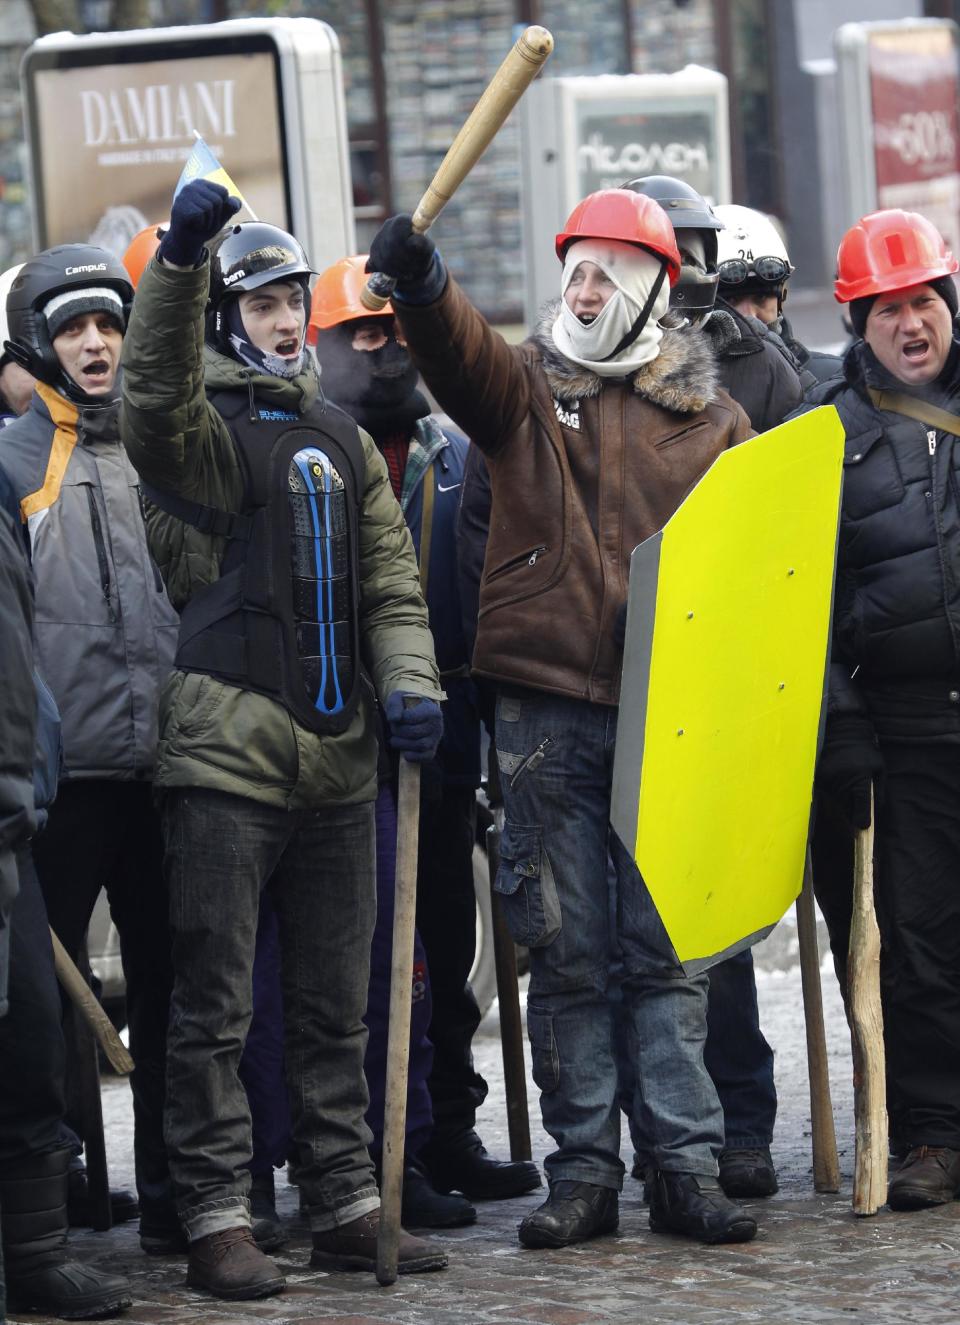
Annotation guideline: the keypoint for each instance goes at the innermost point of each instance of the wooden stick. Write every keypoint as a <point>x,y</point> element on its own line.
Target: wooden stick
<point>826,1165</point>
<point>81,995</point>
<point>398,1042</point>
<point>866,1023</point>
<point>506,87</point>
<point>511,1021</point>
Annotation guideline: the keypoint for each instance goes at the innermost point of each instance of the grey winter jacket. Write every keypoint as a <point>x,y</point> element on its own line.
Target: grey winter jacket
<point>104,632</point>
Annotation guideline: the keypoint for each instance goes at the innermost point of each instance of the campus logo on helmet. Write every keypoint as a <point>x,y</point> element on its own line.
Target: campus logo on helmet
<point>90,266</point>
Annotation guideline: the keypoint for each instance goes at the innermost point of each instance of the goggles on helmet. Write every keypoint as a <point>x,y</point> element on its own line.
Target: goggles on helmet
<point>773,271</point>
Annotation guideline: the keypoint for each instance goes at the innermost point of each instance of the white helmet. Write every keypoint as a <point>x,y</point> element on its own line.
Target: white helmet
<point>6,280</point>
<point>751,252</point>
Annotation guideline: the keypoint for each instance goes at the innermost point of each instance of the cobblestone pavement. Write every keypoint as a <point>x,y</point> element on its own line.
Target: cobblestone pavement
<point>812,1260</point>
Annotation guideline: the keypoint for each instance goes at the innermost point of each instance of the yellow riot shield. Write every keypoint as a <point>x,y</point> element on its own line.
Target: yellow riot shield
<point>728,627</point>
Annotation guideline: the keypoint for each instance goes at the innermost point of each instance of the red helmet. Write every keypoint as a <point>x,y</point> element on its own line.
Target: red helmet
<point>336,297</point>
<point>890,250</point>
<point>630,217</point>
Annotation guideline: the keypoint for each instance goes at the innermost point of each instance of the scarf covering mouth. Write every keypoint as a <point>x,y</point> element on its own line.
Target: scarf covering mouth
<point>634,272</point>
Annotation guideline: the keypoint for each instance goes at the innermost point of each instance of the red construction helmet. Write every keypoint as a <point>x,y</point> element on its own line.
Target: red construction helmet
<point>630,217</point>
<point>336,297</point>
<point>141,249</point>
<point>890,250</point>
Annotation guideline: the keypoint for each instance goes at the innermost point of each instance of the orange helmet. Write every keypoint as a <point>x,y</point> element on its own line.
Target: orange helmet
<point>141,249</point>
<point>336,297</point>
<point>630,217</point>
<point>890,250</point>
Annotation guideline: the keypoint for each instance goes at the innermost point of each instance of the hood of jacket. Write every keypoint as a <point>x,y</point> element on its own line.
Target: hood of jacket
<point>297,394</point>
<point>683,377</point>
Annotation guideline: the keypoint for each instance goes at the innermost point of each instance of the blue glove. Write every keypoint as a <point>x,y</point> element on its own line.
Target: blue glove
<point>414,731</point>
<point>200,211</point>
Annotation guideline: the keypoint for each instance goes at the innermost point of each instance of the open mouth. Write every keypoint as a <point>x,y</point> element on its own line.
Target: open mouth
<point>287,348</point>
<point>915,349</point>
<point>586,319</point>
<point>97,371</point>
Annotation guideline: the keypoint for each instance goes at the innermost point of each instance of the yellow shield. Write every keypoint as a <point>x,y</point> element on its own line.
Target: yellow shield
<point>724,670</point>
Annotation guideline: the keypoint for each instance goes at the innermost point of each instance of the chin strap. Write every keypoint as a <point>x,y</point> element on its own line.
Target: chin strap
<point>641,320</point>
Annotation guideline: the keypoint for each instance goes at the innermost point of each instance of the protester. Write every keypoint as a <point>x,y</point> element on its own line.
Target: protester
<point>281,542</point>
<point>105,635</point>
<point>367,370</point>
<point>575,425</point>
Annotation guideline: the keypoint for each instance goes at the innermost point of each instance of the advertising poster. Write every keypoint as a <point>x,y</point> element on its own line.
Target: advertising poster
<point>111,140</point>
<point>913,90</point>
<point>675,136</point>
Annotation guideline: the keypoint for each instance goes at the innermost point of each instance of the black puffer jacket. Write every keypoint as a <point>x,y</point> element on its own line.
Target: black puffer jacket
<point>896,637</point>
<point>811,364</point>
<point>752,369</point>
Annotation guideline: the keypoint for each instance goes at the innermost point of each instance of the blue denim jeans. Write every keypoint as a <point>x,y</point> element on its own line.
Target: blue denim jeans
<point>221,851</point>
<point>556,764</point>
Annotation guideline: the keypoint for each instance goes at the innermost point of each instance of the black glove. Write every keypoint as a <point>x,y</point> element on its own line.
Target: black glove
<point>398,252</point>
<point>849,763</point>
<point>200,211</point>
<point>619,631</point>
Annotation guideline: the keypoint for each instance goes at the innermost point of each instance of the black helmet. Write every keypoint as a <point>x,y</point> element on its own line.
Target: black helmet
<point>60,271</point>
<point>695,292</point>
<point>244,258</point>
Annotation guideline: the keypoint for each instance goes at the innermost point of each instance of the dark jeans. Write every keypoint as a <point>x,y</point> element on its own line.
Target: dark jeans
<point>917,889</point>
<point>737,1055</point>
<point>261,1067</point>
<point>106,834</point>
<point>447,924</point>
<point>221,852</point>
<point>31,1041</point>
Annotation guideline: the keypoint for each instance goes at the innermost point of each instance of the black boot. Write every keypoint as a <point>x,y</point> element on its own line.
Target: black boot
<point>41,1276</point>
<point>694,1205</point>
<point>458,1161</point>
<point>267,1230</point>
<point>425,1207</point>
<point>748,1173</point>
<point>123,1204</point>
<point>573,1212</point>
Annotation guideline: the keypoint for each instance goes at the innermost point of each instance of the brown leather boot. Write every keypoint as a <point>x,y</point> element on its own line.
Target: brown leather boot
<point>230,1265</point>
<point>930,1175</point>
<point>353,1246</point>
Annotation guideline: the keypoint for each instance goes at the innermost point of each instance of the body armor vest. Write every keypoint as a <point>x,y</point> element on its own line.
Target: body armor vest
<point>283,618</point>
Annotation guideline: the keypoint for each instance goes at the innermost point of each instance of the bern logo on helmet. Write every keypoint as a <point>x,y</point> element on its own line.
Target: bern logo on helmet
<point>92,266</point>
<point>234,276</point>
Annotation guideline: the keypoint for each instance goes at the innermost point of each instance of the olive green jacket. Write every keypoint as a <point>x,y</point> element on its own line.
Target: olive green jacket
<point>213,734</point>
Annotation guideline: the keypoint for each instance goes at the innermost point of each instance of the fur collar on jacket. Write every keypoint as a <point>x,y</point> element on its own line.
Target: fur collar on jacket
<point>683,377</point>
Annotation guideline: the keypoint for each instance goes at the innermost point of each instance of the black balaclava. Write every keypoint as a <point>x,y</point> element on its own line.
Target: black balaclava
<point>243,348</point>
<point>378,388</point>
<point>860,308</point>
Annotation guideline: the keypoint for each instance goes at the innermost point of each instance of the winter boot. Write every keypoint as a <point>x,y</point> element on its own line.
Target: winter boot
<point>425,1207</point>
<point>41,1276</point>
<point>123,1204</point>
<point>697,1207</point>
<point>458,1161</point>
<point>229,1264</point>
<point>353,1246</point>
<point>267,1230</point>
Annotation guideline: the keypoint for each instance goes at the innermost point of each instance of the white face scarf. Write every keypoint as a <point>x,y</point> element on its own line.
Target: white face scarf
<point>633,271</point>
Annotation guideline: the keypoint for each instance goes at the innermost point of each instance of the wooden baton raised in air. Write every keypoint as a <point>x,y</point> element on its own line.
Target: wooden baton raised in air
<point>502,93</point>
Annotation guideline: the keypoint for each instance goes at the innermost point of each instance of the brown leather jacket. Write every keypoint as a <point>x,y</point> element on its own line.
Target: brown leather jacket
<point>582,470</point>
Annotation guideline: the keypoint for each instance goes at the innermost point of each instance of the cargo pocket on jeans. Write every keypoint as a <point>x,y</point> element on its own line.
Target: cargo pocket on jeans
<point>544,1056</point>
<point>527,887</point>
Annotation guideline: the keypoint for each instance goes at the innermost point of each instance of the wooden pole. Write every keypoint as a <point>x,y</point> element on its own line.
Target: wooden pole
<point>81,995</point>
<point>398,1042</point>
<point>511,1021</point>
<point>866,1024</point>
<point>826,1165</point>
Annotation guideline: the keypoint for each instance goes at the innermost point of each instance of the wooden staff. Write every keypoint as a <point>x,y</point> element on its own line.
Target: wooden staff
<point>398,1042</point>
<point>81,995</point>
<point>511,1021</point>
<point>866,1025</point>
<point>501,94</point>
<point>826,1166</point>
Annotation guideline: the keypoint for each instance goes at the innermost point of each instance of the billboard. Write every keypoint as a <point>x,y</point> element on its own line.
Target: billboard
<point>898,97</point>
<point>111,119</point>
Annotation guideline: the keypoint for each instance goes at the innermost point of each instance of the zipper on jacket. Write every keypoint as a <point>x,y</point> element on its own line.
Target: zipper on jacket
<point>102,561</point>
<point>532,560</point>
<point>529,558</point>
<point>532,761</point>
<point>157,579</point>
<point>931,441</point>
